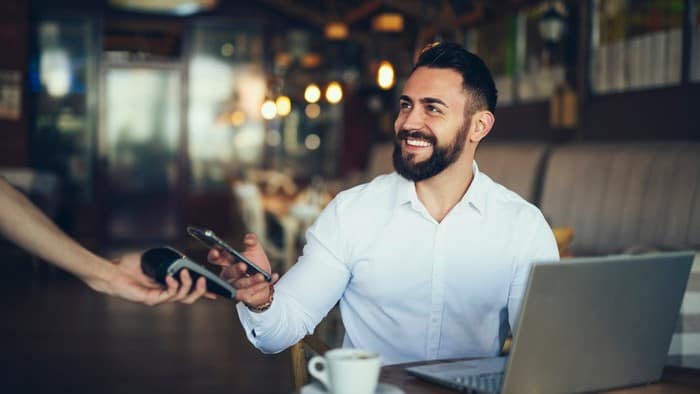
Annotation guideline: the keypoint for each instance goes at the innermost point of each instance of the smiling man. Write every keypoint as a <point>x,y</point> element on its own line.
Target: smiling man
<point>428,262</point>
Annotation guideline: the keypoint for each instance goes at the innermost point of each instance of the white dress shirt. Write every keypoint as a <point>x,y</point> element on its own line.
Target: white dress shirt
<point>410,288</point>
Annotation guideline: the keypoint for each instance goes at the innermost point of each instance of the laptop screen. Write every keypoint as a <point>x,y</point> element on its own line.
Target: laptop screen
<point>589,324</point>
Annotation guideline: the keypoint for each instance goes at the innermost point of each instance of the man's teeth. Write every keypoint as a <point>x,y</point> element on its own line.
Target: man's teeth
<point>417,142</point>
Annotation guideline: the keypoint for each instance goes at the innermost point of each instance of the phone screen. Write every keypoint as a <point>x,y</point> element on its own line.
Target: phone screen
<point>210,239</point>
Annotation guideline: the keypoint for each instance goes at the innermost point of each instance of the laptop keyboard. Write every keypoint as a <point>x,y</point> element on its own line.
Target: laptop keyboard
<point>487,382</point>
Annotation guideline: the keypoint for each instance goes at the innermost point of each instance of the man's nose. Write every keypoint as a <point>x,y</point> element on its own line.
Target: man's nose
<point>413,120</point>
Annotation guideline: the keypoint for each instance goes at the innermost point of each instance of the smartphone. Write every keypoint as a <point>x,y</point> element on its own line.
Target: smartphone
<point>210,239</point>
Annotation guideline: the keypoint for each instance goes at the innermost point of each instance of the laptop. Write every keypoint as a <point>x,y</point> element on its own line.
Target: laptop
<point>586,324</point>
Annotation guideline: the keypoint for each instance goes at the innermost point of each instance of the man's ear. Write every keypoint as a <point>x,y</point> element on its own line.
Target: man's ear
<point>482,123</point>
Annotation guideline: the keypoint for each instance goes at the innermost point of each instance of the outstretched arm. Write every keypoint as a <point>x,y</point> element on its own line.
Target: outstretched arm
<point>25,225</point>
<point>303,296</point>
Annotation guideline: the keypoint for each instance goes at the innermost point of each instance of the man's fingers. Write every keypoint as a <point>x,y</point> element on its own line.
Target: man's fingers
<point>219,257</point>
<point>248,281</point>
<point>254,295</point>
<point>234,272</point>
<point>239,270</point>
<point>228,273</point>
<point>250,239</point>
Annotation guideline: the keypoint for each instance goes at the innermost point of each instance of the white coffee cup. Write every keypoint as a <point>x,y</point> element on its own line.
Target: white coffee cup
<point>347,371</point>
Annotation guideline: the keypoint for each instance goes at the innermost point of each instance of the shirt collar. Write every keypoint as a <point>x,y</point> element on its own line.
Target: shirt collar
<point>475,195</point>
<point>405,190</point>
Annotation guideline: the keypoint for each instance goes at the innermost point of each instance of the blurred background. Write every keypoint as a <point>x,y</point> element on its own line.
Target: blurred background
<point>127,120</point>
<point>143,114</point>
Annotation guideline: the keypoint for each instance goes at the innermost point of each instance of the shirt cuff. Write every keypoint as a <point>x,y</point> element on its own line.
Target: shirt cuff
<point>257,324</point>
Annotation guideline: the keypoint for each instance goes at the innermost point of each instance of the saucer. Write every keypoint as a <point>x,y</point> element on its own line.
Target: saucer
<point>382,388</point>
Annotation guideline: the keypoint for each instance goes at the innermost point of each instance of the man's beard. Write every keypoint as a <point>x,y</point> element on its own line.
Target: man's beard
<point>441,158</point>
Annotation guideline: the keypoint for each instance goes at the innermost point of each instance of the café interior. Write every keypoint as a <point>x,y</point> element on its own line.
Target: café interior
<point>125,121</point>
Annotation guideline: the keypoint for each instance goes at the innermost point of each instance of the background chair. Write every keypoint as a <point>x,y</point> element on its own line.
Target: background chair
<point>299,358</point>
<point>281,249</point>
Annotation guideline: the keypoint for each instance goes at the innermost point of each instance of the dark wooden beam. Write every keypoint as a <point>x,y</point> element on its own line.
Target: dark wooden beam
<point>413,8</point>
<point>362,11</point>
<point>472,17</point>
<point>309,15</point>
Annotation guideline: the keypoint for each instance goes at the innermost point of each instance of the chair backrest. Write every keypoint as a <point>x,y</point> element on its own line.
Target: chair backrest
<point>624,196</point>
<point>517,166</point>
<point>299,359</point>
<point>251,207</point>
<point>380,160</point>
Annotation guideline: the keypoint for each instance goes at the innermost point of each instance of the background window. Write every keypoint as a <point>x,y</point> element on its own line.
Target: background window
<point>62,78</point>
<point>494,42</point>
<point>541,63</point>
<point>635,44</point>
<point>227,86</point>
<point>695,66</point>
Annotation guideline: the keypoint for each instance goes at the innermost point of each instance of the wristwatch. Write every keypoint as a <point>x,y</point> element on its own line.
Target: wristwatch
<point>265,306</point>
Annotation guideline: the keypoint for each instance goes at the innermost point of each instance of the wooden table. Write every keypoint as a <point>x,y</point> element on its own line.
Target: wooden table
<point>675,380</point>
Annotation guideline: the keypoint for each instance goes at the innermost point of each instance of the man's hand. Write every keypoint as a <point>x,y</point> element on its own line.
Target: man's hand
<point>127,281</point>
<point>252,290</point>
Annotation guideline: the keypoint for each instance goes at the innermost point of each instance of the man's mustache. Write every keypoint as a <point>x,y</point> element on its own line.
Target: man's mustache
<point>403,134</point>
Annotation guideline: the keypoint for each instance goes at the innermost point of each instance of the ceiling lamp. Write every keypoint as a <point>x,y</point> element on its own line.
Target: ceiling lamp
<point>284,105</point>
<point>175,7</point>
<point>334,92</point>
<point>283,59</point>
<point>336,31</point>
<point>312,93</point>
<point>388,22</point>
<point>227,49</point>
<point>268,110</point>
<point>552,24</point>
<point>55,71</point>
<point>312,111</point>
<point>311,60</point>
<point>312,141</point>
<point>385,75</point>
<point>237,117</point>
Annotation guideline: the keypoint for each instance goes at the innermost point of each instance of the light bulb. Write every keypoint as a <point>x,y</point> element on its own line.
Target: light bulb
<point>312,93</point>
<point>334,92</point>
<point>385,75</point>
<point>268,110</point>
<point>284,105</point>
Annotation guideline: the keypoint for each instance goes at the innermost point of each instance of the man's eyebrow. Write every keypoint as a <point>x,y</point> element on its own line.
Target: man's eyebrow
<point>425,100</point>
<point>432,100</point>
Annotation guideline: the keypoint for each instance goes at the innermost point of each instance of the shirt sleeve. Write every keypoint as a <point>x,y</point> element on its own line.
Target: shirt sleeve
<point>306,293</point>
<point>539,247</point>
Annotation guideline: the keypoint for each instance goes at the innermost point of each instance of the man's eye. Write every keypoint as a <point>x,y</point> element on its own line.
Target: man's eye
<point>432,108</point>
<point>404,105</point>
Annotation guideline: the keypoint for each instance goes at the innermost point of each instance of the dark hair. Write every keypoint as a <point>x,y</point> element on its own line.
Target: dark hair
<point>476,77</point>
